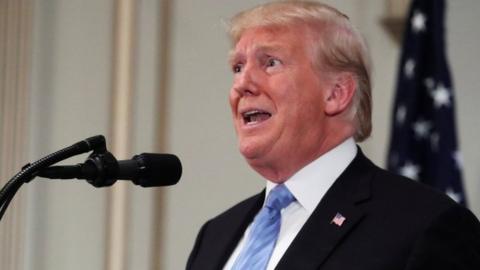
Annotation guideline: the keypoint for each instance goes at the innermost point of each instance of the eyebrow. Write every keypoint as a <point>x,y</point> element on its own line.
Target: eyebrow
<point>233,56</point>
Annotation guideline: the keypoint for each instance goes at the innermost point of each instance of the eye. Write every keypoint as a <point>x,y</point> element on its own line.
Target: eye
<point>273,62</point>
<point>237,68</point>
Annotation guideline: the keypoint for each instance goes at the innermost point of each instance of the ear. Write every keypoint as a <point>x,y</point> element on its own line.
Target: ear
<point>340,95</point>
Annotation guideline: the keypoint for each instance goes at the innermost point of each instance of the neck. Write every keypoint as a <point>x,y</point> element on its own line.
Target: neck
<point>281,169</point>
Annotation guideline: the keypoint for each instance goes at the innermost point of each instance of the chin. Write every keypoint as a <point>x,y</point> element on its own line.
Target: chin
<point>249,150</point>
<point>252,148</point>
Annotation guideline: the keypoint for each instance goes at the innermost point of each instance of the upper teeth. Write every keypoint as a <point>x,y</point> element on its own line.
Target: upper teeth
<point>255,116</point>
<point>250,113</point>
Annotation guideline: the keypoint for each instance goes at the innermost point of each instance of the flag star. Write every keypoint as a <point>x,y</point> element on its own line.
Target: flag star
<point>410,170</point>
<point>456,196</point>
<point>457,156</point>
<point>401,114</point>
<point>418,21</point>
<point>429,83</point>
<point>441,96</point>
<point>422,129</point>
<point>434,141</point>
<point>409,68</point>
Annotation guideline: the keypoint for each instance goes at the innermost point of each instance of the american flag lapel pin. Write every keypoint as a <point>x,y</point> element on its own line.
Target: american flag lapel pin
<point>338,219</point>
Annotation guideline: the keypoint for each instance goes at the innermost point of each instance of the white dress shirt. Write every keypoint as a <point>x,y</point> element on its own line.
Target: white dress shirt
<point>308,186</point>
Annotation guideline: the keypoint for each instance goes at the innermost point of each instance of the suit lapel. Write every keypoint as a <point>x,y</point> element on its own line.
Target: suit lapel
<point>320,236</point>
<point>229,232</point>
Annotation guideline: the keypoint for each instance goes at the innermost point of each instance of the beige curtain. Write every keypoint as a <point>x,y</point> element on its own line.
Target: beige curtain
<point>15,36</point>
<point>120,129</point>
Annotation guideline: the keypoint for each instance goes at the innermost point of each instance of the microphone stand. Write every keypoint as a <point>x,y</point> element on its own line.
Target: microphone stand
<point>30,170</point>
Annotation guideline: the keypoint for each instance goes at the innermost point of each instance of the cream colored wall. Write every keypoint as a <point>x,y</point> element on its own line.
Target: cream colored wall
<point>463,44</point>
<point>70,101</point>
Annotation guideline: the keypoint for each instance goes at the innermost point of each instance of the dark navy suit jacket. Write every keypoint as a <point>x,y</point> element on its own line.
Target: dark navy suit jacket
<point>391,223</point>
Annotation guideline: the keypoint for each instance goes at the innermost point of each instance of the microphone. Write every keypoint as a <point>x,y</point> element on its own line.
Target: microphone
<point>103,169</point>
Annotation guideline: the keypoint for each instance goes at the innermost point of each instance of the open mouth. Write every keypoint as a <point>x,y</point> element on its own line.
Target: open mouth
<point>255,116</point>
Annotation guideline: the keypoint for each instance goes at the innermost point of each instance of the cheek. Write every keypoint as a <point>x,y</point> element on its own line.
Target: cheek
<point>304,104</point>
<point>290,87</point>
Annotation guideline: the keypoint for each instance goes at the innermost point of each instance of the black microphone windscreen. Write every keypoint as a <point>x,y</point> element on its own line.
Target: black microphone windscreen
<point>160,170</point>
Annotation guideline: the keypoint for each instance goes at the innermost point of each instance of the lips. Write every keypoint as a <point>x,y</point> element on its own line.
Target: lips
<point>255,116</point>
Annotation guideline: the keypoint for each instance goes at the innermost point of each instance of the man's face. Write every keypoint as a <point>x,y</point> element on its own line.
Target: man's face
<point>277,98</point>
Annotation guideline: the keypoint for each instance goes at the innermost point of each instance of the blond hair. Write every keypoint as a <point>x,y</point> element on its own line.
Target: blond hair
<point>337,46</point>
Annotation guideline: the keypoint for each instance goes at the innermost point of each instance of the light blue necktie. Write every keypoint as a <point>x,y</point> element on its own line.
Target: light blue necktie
<point>263,235</point>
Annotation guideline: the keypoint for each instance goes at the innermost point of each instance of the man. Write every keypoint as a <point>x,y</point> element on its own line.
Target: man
<point>300,99</point>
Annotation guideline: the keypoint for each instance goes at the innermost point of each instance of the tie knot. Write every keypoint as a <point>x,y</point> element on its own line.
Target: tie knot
<point>279,198</point>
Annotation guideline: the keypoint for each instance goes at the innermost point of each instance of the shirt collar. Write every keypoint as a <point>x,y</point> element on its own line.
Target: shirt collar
<point>310,183</point>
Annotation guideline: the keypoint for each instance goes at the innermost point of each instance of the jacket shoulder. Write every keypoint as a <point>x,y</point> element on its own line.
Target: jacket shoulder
<point>397,188</point>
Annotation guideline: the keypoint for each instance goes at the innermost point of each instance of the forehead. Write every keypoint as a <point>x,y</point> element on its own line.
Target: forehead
<point>270,39</point>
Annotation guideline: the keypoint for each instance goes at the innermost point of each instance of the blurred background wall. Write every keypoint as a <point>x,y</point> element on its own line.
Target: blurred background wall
<point>178,103</point>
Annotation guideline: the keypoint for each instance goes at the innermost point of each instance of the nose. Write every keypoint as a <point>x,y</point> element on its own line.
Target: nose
<point>247,81</point>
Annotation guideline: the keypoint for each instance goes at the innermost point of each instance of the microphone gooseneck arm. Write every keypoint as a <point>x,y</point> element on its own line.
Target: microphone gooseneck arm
<point>29,171</point>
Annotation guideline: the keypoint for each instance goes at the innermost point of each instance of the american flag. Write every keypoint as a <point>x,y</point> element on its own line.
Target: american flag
<point>338,220</point>
<point>423,143</point>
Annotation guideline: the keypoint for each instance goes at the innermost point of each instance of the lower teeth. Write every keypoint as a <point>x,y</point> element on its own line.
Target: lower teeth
<point>259,117</point>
